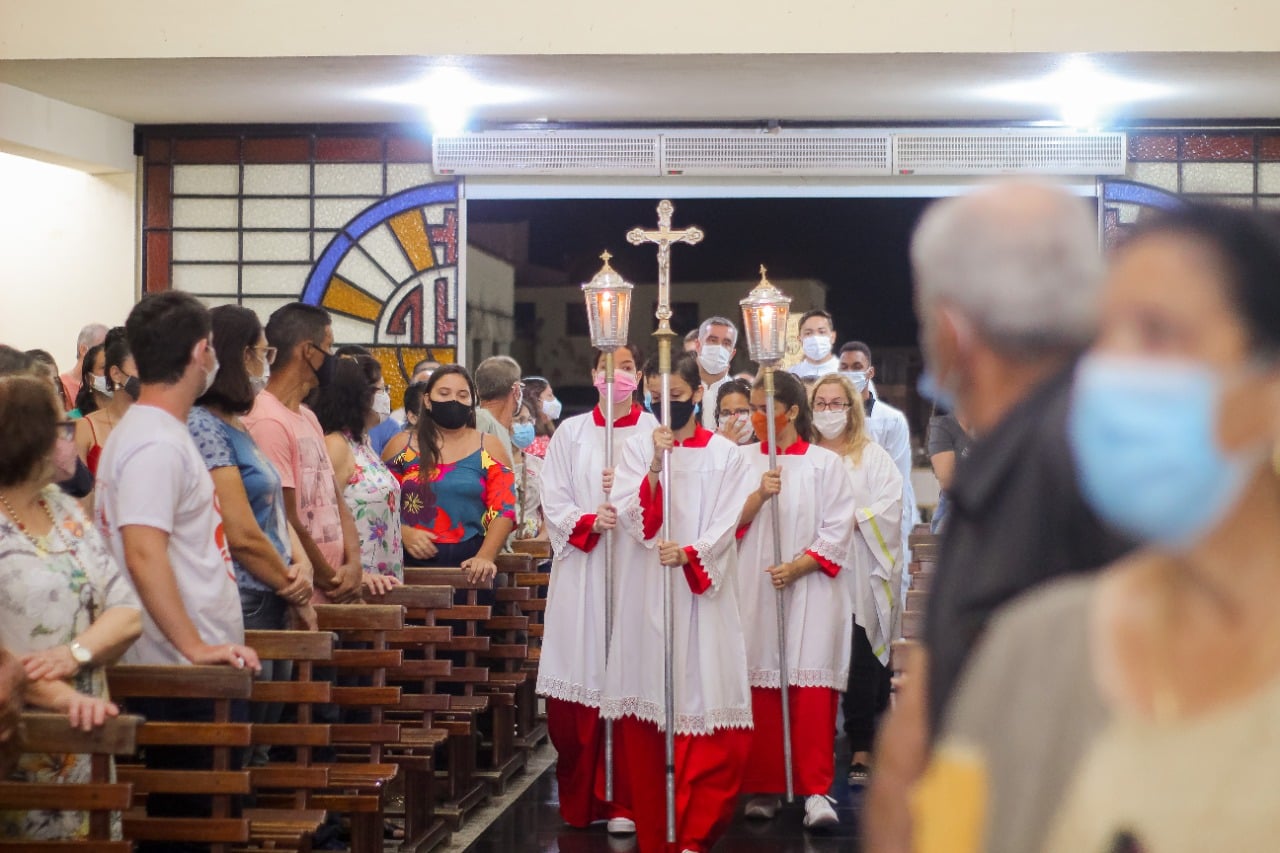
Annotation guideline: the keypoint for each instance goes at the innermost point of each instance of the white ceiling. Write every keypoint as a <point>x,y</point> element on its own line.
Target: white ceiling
<point>881,88</point>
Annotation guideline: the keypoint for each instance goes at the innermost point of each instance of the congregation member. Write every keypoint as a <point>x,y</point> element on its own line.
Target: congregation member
<point>408,433</point>
<point>949,443</point>
<point>1007,283</point>
<point>691,341</point>
<point>875,561</point>
<point>717,345</point>
<point>816,516</point>
<point>497,381</point>
<point>156,507</point>
<point>708,478</point>
<point>576,503</point>
<point>11,681</point>
<point>121,387</point>
<point>887,426</point>
<point>524,435</point>
<point>1165,661</point>
<point>65,607</point>
<point>549,411</point>
<point>817,339</point>
<point>290,437</point>
<point>94,392</point>
<point>392,422</point>
<point>89,336</point>
<point>457,491</point>
<point>345,411</point>
<point>44,364</point>
<point>733,411</point>
<point>74,478</point>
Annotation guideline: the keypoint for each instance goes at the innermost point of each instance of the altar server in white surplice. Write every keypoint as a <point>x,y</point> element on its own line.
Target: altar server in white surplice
<point>875,557</point>
<point>817,506</point>
<point>571,671</point>
<point>709,481</point>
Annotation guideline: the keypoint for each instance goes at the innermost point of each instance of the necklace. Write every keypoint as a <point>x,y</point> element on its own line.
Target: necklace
<point>22,528</point>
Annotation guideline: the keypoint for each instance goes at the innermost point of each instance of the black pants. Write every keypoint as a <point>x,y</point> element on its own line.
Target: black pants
<point>867,696</point>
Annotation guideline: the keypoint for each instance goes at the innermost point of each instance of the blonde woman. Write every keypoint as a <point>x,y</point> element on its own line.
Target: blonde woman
<point>875,556</point>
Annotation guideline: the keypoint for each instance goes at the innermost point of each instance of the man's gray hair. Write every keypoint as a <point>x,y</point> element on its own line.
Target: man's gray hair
<point>91,335</point>
<point>1018,260</point>
<point>495,377</point>
<point>719,321</point>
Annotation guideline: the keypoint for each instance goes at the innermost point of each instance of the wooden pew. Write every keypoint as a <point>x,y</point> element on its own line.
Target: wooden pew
<point>531,726</point>
<point>221,685</point>
<point>52,733</point>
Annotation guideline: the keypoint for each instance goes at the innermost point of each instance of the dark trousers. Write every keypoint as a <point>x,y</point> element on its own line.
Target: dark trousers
<point>263,610</point>
<point>185,758</point>
<point>867,696</point>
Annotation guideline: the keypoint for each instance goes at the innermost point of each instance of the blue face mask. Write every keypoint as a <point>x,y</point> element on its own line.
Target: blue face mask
<point>1144,437</point>
<point>928,388</point>
<point>522,435</point>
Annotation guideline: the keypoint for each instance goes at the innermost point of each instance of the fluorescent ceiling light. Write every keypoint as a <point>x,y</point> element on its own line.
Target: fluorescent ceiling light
<point>449,96</point>
<point>1083,95</point>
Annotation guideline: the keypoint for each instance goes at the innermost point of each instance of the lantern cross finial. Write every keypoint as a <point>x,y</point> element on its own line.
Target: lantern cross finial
<point>606,257</point>
<point>665,237</point>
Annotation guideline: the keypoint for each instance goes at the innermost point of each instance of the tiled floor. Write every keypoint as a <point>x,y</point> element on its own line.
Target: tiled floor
<point>532,825</point>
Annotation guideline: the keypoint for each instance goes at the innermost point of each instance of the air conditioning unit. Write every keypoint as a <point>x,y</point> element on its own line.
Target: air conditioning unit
<point>1008,152</point>
<point>546,153</point>
<point>793,152</point>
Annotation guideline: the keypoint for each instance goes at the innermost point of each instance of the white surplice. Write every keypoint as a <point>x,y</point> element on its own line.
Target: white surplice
<point>573,658</point>
<point>875,554</point>
<point>709,484</point>
<point>816,506</point>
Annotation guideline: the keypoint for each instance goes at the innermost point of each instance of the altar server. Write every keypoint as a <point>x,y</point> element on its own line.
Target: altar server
<point>708,480</point>
<point>577,513</point>
<point>816,507</point>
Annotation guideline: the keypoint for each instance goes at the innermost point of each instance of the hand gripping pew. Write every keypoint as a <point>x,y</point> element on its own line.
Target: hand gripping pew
<point>99,796</point>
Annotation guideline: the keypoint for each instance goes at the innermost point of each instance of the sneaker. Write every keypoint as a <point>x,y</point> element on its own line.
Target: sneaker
<point>762,808</point>
<point>621,826</point>
<point>818,812</point>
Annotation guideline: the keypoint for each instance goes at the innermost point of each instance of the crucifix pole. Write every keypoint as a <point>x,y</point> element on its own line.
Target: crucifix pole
<point>664,237</point>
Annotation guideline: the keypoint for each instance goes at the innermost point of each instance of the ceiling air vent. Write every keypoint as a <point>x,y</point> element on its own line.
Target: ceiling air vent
<point>783,153</point>
<point>990,152</point>
<point>551,153</point>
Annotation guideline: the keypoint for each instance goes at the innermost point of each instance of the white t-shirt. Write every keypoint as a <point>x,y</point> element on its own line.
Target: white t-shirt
<point>807,369</point>
<point>151,474</point>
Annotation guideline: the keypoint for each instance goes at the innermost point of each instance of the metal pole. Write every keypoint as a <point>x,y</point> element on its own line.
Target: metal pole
<point>608,568</point>
<point>783,680</point>
<point>668,612</point>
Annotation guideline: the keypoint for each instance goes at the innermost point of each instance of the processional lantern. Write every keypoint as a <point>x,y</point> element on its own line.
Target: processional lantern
<point>608,297</point>
<point>764,319</point>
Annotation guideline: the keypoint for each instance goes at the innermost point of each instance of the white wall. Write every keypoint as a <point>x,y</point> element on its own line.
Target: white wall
<point>491,285</point>
<point>68,242</point>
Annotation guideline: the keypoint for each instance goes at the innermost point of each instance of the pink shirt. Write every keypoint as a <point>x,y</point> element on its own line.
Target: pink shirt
<point>294,444</point>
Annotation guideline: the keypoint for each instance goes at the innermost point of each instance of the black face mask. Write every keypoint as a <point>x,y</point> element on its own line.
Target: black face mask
<point>324,373</point>
<point>133,387</point>
<point>681,412</point>
<point>449,414</point>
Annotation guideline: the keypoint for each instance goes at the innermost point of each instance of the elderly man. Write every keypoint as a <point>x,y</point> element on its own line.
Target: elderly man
<point>1007,283</point>
<point>90,336</point>
<point>501,392</point>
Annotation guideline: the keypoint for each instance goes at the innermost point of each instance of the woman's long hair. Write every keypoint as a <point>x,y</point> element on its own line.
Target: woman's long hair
<point>854,438</point>
<point>428,432</point>
<point>789,391</point>
<point>85,401</point>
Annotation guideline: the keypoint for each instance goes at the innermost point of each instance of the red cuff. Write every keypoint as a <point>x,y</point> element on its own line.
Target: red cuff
<point>742,530</point>
<point>651,507</point>
<point>829,568</point>
<point>582,536</point>
<point>699,580</point>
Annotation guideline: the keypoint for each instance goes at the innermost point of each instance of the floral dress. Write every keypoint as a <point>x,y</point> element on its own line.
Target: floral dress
<point>48,596</point>
<point>373,496</point>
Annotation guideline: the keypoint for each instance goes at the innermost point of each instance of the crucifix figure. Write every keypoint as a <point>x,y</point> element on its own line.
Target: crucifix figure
<point>664,237</point>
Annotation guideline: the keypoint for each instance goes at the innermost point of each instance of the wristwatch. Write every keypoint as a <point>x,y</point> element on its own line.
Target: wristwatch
<point>82,656</point>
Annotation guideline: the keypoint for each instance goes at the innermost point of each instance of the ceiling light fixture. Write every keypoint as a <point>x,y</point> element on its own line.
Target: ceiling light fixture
<point>450,96</point>
<point>1084,96</point>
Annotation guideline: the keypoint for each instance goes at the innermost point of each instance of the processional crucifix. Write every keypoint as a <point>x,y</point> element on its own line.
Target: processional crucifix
<point>665,237</point>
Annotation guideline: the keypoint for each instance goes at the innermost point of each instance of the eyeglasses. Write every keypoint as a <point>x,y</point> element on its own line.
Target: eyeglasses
<point>67,430</point>
<point>735,413</point>
<point>268,353</point>
<point>823,406</point>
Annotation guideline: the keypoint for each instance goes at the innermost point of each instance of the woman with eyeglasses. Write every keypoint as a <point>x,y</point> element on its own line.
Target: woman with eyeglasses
<point>549,411</point>
<point>66,608</point>
<point>121,387</point>
<point>875,560</point>
<point>529,523</point>
<point>816,517</point>
<point>733,412</point>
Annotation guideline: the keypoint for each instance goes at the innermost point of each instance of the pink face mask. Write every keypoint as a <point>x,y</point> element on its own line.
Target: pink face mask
<point>624,385</point>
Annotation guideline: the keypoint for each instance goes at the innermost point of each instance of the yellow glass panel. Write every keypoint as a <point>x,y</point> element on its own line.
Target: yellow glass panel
<point>411,230</point>
<point>345,297</point>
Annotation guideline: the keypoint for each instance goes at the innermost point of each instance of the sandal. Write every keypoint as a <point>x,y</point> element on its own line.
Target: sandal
<point>859,775</point>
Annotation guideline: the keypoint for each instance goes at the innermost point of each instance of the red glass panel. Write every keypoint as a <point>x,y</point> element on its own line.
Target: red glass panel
<point>1153,146</point>
<point>159,202</point>
<point>158,261</point>
<point>348,149</point>
<point>1217,146</point>
<point>1269,147</point>
<point>158,150</point>
<point>295,149</point>
<point>407,149</point>
<point>224,150</point>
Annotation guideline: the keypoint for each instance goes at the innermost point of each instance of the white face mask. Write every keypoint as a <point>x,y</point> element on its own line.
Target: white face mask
<point>857,377</point>
<point>382,403</point>
<point>211,375</point>
<point>102,385</point>
<point>830,424</point>
<point>816,347</point>
<point>714,359</point>
<point>551,408</point>
<point>744,422</point>
<point>259,383</point>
